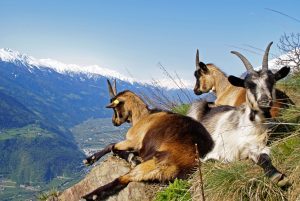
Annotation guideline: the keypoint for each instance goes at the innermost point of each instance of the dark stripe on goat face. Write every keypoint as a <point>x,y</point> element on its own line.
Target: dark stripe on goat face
<point>197,75</point>
<point>197,90</point>
<point>270,83</point>
<point>251,85</point>
<point>252,115</point>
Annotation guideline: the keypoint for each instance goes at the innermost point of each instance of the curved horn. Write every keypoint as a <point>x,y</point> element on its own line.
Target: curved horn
<point>115,87</point>
<point>266,57</point>
<point>197,60</point>
<point>110,90</point>
<point>247,64</point>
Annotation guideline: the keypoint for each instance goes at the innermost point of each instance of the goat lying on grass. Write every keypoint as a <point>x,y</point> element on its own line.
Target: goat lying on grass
<point>165,142</point>
<point>241,132</point>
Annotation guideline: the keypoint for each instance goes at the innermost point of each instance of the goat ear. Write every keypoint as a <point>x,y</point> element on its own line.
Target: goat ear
<point>113,104</point>
<point>283,72</point>
<point>236,81</point>
<point>203,67</point>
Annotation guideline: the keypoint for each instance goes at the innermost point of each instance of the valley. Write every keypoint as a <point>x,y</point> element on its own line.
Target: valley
<point>95,134</point>
<point>90,136</point>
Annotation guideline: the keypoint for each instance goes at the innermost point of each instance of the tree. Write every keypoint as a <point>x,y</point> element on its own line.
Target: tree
<point>289,46</point>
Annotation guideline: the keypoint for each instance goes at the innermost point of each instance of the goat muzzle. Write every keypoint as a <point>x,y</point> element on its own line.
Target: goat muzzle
<point>197,92</point>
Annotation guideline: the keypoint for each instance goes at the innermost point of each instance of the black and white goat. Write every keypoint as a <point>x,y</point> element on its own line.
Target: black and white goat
<point>242,132</point>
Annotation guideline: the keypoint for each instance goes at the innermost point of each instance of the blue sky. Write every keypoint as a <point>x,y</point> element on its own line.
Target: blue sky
<point>136,35</point>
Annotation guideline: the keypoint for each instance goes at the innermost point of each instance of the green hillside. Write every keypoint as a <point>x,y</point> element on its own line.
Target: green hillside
<point>31,154</point>
<point>13,114</point>
<point>34,153</point>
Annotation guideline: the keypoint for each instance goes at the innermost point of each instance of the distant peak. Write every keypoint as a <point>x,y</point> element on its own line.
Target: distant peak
<point>8,49</point>
<point>9,55</point>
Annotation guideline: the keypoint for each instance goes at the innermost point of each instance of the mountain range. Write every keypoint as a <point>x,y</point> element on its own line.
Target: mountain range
<point>41,99</point>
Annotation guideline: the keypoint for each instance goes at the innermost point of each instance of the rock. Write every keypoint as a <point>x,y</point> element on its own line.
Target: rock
<point>104,173</point>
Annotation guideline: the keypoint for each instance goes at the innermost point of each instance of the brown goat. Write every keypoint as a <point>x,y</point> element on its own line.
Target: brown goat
<point>165,142</point>
<point>210,77</point>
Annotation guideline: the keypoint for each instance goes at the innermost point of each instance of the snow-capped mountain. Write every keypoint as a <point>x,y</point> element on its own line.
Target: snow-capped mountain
<point>9,55</point>
<point>16,57</point>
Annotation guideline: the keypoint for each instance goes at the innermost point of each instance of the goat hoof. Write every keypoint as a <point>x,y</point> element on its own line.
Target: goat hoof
<point>89,197</point>
<point>89,161</point>
<point>284,181</point>
<point>280,179</point>
<point>86,162</point>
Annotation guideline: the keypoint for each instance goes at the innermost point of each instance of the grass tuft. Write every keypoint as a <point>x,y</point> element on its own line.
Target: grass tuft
<point>181,109</point>
<point>50,195</point>
<point>178,190</point>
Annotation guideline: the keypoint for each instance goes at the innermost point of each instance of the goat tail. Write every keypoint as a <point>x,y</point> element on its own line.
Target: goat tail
<point>204,142</point>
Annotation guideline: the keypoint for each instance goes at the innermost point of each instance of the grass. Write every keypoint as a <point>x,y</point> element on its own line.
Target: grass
<point>178,190</point>
<point>53,193</point>
<point>181,109</point>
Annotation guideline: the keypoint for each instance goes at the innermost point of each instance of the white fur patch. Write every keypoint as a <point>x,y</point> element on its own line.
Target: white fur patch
<point>247,139</point>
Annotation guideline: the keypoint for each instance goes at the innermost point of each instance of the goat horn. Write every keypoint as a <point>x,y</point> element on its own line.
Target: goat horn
<point>266,57</point>
<point>115,87</point>
<point>110,90</point>
<point>247,64</point>
<point>197,60</point>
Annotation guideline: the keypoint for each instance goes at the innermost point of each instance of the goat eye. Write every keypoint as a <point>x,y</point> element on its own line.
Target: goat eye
<point>197,74</point>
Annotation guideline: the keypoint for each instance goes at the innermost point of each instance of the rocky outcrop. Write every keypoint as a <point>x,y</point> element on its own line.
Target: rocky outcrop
<point>104,173</point>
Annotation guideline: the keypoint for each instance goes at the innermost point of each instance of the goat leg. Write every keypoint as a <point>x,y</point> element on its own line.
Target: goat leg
<point>96,156</point>
<point>276,176</point>
<point>105,191</point>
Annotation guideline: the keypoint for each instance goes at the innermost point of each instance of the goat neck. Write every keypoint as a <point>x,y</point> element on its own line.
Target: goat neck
<point>221,82</point>
<point>138,109</point>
